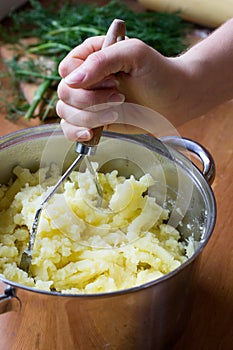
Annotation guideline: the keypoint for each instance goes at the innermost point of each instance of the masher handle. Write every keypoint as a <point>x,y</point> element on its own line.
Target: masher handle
<point>116,32</point>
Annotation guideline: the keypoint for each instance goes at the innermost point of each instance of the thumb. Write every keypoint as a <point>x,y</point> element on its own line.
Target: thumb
<point>100,65</point>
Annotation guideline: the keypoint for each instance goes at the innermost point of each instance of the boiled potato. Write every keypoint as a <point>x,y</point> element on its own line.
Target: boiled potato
<point>80,248</point>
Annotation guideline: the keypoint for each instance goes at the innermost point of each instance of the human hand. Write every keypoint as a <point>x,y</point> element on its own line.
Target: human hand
<point>95,81</point>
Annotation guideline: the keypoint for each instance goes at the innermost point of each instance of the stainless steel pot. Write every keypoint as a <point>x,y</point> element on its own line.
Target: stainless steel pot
<point>150,316</point>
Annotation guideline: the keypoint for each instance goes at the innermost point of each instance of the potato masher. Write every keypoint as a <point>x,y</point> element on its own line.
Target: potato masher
<point>115,33</point>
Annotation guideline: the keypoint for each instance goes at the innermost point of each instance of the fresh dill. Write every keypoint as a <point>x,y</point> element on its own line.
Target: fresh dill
<point>58,30</point>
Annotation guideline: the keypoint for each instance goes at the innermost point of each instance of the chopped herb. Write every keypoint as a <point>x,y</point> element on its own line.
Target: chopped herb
<point>58,30</point>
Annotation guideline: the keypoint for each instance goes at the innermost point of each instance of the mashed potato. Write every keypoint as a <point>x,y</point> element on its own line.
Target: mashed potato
<point>79,247</point>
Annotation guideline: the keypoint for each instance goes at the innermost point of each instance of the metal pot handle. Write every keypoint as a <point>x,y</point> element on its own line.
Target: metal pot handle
<point>9,301</point>
<point>203,154</point>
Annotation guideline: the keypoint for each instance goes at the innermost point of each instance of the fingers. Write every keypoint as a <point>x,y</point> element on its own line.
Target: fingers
<point>79,54</point>
<point>75,133</point>
<point>105,91</point>
<point>82,110</point>
<point>96,116</point>
<point>89,92</point>
<point>99,65</point>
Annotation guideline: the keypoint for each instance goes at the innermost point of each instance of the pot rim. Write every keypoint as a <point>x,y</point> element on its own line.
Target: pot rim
<point>46,130</point>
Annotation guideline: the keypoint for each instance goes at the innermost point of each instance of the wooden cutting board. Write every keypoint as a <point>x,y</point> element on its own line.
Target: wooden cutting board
<point>209,13</point>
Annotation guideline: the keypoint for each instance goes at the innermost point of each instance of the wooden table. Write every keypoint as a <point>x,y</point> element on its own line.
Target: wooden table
<point>211,320</point>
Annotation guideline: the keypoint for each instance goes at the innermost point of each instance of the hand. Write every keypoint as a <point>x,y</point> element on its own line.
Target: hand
<point>95,81</point>
<point>128,71</point>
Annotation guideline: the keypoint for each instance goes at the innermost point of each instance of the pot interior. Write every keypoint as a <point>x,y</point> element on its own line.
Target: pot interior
<point>179,185</point>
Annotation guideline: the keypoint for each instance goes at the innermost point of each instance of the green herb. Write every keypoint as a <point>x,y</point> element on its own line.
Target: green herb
<point>37,97</point>
<point>60,29</point>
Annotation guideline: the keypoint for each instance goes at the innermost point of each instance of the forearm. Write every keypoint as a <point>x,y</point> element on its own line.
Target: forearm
<point>179,88</point>
<point>207,74</point>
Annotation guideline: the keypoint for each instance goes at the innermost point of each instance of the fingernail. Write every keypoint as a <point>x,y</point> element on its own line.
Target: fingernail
<point>83,135</point>
<point>77,76</point>
<point>116,98</point>
<point>110,83</point>
<point>109,117</point>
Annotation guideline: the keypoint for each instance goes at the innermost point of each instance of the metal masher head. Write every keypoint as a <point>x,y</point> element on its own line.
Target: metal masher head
<point>115,33</point>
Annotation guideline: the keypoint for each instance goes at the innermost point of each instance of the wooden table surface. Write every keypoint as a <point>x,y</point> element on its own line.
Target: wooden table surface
<point>211,320</point>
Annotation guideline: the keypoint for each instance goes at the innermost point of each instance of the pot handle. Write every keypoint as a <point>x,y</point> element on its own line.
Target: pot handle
<point>203,154</point>
<point>9,301</point>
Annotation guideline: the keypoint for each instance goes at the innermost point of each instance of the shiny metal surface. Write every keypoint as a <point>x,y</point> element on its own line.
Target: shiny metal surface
<point>151,316</point>
<point>9,301</point>
<point>115,31</point>
<point>207,160</point>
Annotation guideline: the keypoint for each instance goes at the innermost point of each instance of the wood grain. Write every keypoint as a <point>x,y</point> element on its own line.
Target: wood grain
<point>211,320</point>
